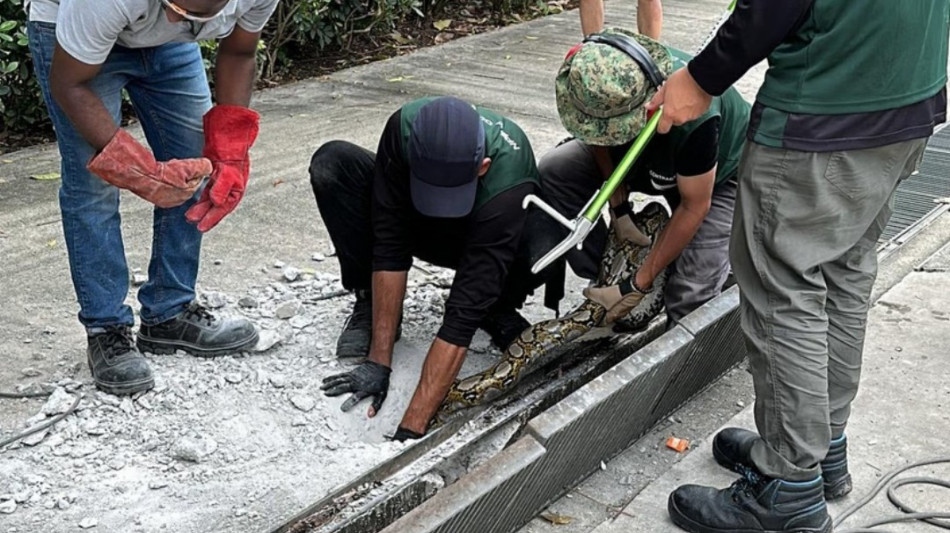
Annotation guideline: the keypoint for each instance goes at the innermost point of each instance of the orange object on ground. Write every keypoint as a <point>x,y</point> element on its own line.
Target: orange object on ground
<point>680,445</point>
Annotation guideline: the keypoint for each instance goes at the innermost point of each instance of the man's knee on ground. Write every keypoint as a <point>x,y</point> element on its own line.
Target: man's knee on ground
<point>326,163</point>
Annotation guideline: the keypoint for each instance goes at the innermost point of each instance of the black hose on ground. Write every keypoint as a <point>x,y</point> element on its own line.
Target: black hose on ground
<point>936,518</point>
<point>45,425</point>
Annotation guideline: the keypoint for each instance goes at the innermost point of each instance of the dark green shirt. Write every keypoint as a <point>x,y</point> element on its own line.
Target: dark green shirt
<point>843,74</point>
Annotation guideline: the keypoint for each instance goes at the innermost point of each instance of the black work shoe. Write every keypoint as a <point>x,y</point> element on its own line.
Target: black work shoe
<point>198,332</point>
<point>731,448</point>
<point>753,504</point>
<point>357,331</point>
<point>117,367</point>
<point>504,327</point>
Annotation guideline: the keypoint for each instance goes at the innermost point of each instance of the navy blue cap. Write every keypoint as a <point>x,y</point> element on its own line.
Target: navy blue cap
<point>446,149</point>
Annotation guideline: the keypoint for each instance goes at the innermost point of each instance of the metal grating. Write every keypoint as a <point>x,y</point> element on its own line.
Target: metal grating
<point>915,197</point>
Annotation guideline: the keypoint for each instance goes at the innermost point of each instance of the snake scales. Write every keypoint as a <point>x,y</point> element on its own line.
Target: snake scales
<point>534,348</point>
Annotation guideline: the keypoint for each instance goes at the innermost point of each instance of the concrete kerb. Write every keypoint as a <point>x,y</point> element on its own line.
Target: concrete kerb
<point>587,427</point>
<point>480,500</point>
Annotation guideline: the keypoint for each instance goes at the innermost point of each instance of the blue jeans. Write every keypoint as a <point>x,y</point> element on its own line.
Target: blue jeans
<point>169,90</point>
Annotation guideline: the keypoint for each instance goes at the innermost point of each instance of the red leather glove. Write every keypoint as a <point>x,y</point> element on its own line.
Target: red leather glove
<point>229,133</point>
<point>125,163</point>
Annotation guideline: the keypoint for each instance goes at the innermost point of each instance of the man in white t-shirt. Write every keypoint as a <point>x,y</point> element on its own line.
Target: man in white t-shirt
<point>86,52</point>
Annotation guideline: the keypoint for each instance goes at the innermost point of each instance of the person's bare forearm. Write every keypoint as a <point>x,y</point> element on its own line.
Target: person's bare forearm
<point>442,365</point>
<point>592,16</point>
<point>650,18</point>
<point>234,79</point>
<point>674,238</point>
<point>389,289</point>
<point>236,68</point>
<point>84,108</point>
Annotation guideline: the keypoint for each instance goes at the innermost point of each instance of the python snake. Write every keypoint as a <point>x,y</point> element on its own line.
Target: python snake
<point>536,345</point>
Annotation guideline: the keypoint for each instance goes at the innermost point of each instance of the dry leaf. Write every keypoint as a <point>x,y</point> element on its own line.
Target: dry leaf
<point>531,37</point>
<point>557,519</point>
<point>278,182</point>
<point>441,25</point>
<point>7,160</point>
<point>398,79</point>
<point>51,243</point>
<point>45,177</point>
<point>443,37</point>
<point>399,38</point>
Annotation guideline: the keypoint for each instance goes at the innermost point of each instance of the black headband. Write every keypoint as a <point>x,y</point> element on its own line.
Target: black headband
<point>635,50</point>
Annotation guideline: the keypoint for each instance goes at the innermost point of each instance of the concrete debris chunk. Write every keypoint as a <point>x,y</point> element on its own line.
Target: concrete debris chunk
<point>59,402</point>
<point>126,405</point>
<point>248,302</point>
<point>7,507</point>
<point>215,299</point>
<point>233,378</point>
<point>318,257</point>
<point>300,321</point>
<point>88,523</point>
<point>288,309</point>
<point>303,402</point>
<point>291,273</point>
<point>30,372</point>
<point>139,279</point>
<point>279,264</point>
<point>277,380</point>
<point>268,339</point>
<point>193,449</point>
<point>157,484</point>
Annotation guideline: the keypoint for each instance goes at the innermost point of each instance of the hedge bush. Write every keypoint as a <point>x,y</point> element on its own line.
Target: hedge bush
<point>299,28</point>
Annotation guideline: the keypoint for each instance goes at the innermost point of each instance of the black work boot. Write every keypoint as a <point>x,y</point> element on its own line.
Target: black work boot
<point>732,446</point>
<point>754,503</point>
<point>504,327</point>
<point>198,332</point>
<point>357,331</point>
<point>834,470</point>
<point>116,366</point>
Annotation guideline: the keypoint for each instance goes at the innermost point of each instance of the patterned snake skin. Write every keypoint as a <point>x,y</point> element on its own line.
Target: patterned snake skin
<point>534,348</point>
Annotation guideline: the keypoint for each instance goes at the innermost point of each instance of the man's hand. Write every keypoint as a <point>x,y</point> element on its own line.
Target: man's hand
<point>619,300</point>
<point>624,228</point>
<point>682,100</point>
<point>125,163</point>
<point>367,380</point>
<point>229,133</point>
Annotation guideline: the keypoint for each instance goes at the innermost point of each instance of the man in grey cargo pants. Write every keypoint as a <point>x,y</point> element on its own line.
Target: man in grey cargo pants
<point>826,150</point>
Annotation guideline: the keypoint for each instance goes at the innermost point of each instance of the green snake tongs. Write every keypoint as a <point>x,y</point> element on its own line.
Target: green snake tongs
<point>582,225</point>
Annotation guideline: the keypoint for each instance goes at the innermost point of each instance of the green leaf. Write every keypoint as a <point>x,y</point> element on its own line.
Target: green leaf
<point>45,177</point>
<point>8,25</point>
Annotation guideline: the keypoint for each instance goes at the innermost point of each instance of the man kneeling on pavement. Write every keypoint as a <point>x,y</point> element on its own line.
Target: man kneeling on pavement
<point>601,90</point>
<point>446,186</point>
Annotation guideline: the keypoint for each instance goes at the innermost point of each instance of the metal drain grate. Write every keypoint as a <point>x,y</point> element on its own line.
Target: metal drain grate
<point>914,198</point>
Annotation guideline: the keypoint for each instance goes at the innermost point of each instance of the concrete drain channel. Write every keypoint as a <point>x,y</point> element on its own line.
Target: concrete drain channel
<point>493,468</point>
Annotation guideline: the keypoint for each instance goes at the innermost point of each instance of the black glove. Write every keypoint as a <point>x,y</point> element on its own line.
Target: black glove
<point>368,379</point>
<point>402,435</point>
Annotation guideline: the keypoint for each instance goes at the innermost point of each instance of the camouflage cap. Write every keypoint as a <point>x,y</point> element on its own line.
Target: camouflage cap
<point>601,90</point>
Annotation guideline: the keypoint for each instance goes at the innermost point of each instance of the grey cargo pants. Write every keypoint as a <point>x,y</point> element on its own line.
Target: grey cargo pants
<point>804,256</point>
<point>569,177</point>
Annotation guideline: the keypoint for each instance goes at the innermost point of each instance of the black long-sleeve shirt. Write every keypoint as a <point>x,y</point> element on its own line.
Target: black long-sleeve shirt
<point>480,246</point>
